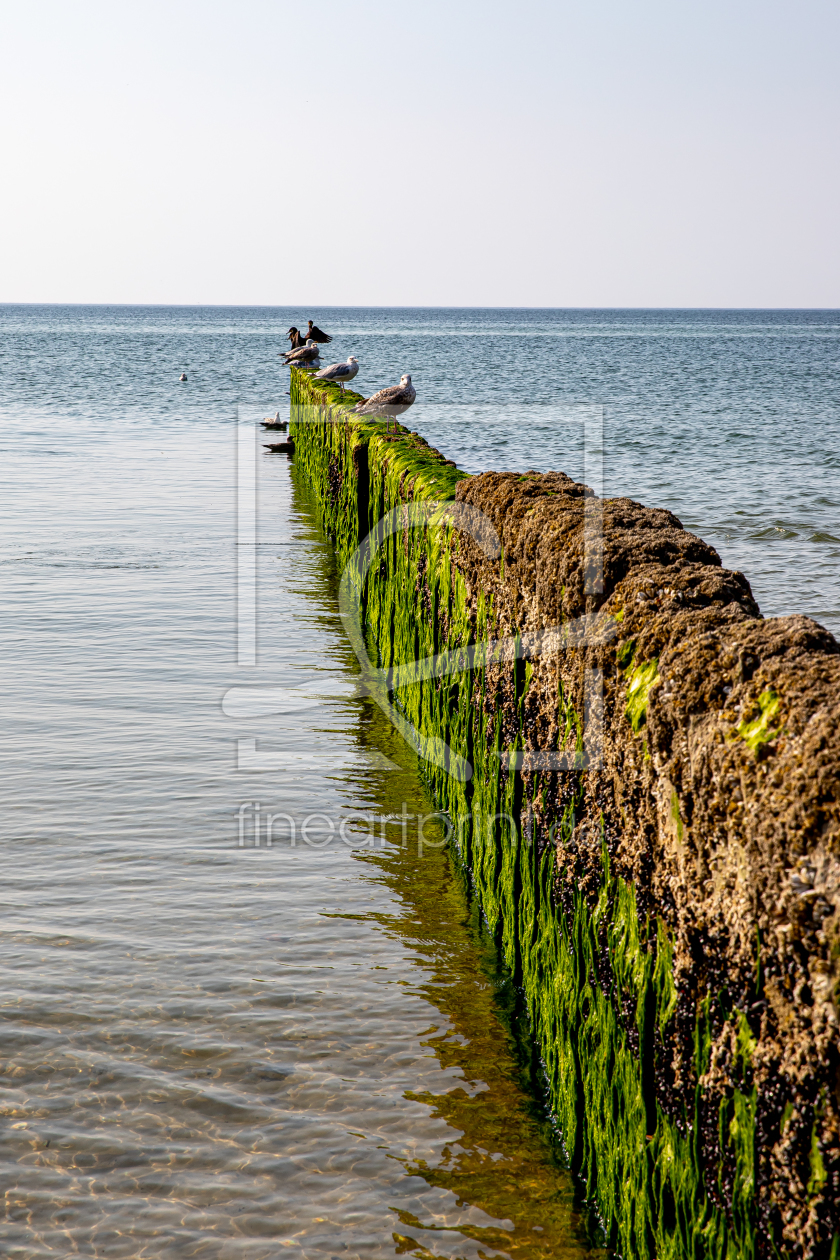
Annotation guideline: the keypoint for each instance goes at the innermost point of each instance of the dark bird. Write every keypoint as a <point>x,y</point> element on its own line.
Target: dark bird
<point>296,339</point>
<point>392,401</point>
<point>317,335</point>
<point>288,447</point>
<point>182,377</point>
<point>274,422</point>
<point>340,372</point>
<point>307,355</point>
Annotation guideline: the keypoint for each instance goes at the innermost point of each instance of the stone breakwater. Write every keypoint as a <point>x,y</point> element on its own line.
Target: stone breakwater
<point>645,784</point>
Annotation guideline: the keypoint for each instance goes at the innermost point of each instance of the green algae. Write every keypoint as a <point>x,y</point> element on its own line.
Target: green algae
<point>625,653</point>
<point>597,977</point>
<point>786,1115</point>
<point>640,683</point>
<point>675,814</point>
<point>507,1169</point>
<point>819,1176</point>
<point>758,731</point>
<point>745,1043</point>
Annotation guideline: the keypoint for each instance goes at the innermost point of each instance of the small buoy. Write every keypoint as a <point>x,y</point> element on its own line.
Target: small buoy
<point>182,377</point>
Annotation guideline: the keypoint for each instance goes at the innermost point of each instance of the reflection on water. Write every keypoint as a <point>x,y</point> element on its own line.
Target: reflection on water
<point>501,1157</point>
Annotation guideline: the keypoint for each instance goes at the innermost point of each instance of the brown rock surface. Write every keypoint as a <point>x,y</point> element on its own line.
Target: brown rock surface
<point>723,807</point>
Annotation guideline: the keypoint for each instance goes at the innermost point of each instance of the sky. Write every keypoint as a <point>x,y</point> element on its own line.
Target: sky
<point>586,154</point>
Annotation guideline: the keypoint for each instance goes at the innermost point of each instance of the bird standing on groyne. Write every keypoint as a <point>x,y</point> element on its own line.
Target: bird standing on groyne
<point>295,337</point>
<point>315,334</point>
<point>306,356</point>
<point>340,372</point>
<point>392,401</point>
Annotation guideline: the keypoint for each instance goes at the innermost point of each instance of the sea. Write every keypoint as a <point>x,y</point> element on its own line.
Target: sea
<point>249,1007</point>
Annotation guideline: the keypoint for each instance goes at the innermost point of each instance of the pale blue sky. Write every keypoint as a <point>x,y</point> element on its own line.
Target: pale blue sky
<point>371,153</point>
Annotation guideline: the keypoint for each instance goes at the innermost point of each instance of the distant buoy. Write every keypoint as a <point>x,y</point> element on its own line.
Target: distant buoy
<point>182,377</point>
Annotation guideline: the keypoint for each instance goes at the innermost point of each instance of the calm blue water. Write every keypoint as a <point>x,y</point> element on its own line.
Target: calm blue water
<point>729,418</point>
<point>215,1050</point>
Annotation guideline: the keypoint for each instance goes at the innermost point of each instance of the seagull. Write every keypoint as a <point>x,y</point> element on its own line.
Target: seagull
<point>306,355</point>
<point>392,401</point>
<point>294,336</point>
<point>316,334</point>
<point>288,446</point>
<point>274,422</point>
<point>340,372</point>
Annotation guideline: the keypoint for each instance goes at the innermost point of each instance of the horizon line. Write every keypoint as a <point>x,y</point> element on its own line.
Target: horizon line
<point>384,307</point>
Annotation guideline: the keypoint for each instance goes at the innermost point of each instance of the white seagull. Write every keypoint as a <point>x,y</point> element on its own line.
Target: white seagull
<point>340,372</point>
<point>392,401</point>
<point>273,422</point>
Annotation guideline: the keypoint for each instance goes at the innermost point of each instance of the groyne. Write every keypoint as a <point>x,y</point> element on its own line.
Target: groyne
<point>642,775</point>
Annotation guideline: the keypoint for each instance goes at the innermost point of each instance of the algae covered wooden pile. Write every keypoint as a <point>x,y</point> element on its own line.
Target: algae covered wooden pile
<point>643,776</point>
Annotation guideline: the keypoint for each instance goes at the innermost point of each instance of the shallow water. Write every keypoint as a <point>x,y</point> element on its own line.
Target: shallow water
<point>215,1050</point>
<point>210,1050</point>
